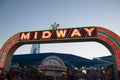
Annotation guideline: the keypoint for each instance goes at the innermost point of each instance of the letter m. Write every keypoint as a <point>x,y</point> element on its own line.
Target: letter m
<point>25,36</point>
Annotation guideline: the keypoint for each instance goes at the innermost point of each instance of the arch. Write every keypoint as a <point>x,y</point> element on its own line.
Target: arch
<point>92,33</point>
<point>54,58</point>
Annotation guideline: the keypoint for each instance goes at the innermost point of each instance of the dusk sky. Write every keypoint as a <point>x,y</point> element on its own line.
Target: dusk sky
<point>33,15</point>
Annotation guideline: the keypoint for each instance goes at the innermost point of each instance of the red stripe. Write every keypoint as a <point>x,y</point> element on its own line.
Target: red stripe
<point>109,32</point>
<point>9,40</point>
<point>6,52</point>
<point>108,40</point>
<point>112,44</point>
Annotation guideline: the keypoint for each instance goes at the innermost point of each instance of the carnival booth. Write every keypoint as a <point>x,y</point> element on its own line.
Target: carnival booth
<point>53,68</point>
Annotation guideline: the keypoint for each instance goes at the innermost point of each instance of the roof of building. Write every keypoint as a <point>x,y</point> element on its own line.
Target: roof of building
<point>69,59</point>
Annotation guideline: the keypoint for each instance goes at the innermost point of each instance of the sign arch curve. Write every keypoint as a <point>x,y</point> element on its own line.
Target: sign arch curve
<point>79,34</point>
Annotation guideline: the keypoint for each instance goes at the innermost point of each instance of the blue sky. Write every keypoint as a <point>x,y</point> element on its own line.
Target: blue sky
<point>30,15</point>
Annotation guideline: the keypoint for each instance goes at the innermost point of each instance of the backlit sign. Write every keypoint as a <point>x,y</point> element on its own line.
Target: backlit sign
<point>59,34</point>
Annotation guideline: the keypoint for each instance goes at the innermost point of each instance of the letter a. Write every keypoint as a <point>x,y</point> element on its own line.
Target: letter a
<point>76,33</point>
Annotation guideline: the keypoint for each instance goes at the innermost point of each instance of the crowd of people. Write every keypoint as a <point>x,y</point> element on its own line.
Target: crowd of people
<point>84,73</point>
<point>91,74</point>
<point>27,73</point>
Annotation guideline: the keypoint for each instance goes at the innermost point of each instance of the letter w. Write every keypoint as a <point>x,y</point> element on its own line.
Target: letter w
<point>61,33</point>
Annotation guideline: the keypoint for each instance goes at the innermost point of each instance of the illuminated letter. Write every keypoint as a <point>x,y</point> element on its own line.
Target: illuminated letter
<point>25,36</point>
<point>76,33</point>
<point>36,35</point>
<point>46,34</point>
<point>61,33</point>
<point>89,31</point>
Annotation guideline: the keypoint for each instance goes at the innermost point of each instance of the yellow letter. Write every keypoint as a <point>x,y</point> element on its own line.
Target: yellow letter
<point>36,35</point>
<point>25,36</point>
<point>61,33</point>
<point>46,34</point>
<point>89,31</point>
<point>76,33</point>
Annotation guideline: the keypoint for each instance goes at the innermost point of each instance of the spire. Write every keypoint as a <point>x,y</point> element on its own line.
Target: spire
<point>35,49</point>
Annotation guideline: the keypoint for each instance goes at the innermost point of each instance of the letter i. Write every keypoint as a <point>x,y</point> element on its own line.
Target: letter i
<point>36,35</point>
